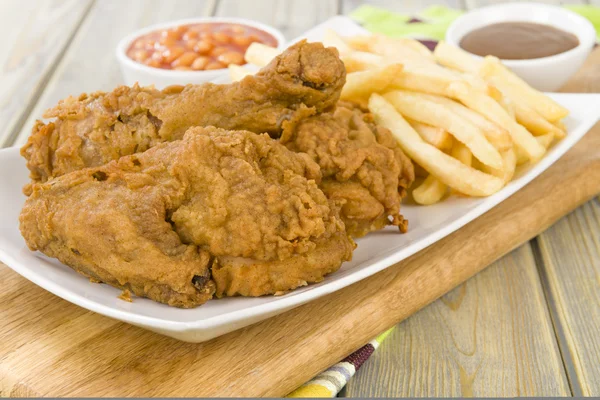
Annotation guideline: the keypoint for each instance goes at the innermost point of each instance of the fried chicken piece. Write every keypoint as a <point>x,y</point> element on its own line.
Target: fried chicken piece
<point>94,129</point>
<point>232,203</point>
<point>362,165</point>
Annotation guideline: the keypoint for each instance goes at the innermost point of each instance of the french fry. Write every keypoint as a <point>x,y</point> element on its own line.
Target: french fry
<point>419,107</point>
<point>363,83</point>
<point>260,54</point>
<point>394,48</point>
<point>496,135</point>
<point>462,153</point>
<point>534,122</point>
<point>360,61</point>
<point>430,191</point>
<point>455,58</point>
<point>237,73</point>
<point>332,39</point>
<point>493,111</point>
<point>437,137</point>
<point>544,140</point>
<point>561,125</point>
<point>509,158</point>
<point>508,106</point>
<point>448,170</point>
<point>511,85</point>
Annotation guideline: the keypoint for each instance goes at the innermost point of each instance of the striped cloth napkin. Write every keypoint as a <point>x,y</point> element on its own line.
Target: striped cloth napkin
<point>429,27</point>
<point>329,382</point>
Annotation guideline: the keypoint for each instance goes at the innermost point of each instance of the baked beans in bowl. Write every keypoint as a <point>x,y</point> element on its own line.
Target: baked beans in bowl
<point>190,51</point>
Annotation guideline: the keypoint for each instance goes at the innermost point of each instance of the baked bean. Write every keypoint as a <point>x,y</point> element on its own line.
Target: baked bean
<point>203,46</point>
<point>185,60</point>
<point>214,65</point>
<point>217,51</point>
<point>171,54</point>
<point>231,57</point>
<point>242,41</point>
<point>191,35</point>
<point>221,37</point>
<point>200,63</point>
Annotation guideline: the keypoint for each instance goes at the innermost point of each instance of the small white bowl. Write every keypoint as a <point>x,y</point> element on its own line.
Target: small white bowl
<point>548,73</point>
<point>134,71</point>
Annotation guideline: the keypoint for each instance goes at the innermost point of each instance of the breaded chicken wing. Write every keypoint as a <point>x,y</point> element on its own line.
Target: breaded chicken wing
<point>362,165</point>
<point>225,212</point>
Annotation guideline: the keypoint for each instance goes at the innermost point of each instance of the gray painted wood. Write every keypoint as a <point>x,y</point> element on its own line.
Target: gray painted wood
<point>570,255</point>
<point>492,336</point>
<point>89,64</point>
<point>34,35</point>
<point>292,17</point>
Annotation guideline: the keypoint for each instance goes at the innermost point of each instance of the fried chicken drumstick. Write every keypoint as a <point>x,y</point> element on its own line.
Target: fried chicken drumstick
<point>218,212</point>
<point>94,129</point>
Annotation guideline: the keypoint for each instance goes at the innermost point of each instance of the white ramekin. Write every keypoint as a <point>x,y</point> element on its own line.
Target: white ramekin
<point>144,75</point>
<point>547,73</point>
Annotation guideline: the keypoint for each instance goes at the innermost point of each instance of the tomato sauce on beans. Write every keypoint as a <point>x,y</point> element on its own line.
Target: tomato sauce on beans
<point>197,47</point>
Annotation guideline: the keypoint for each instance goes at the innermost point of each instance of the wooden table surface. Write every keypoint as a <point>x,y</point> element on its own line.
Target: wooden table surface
<point>526,326</point>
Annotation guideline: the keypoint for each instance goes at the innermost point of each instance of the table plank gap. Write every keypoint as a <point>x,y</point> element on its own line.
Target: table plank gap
<point>29,53</point>
<point>566,356</point>
<point>571,262</point>
<point>491,336</point>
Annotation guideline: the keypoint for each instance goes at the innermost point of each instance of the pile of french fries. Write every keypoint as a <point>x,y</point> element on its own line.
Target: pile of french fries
<point>466,123</point>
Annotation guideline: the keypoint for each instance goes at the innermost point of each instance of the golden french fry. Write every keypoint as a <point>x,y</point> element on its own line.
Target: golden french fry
<point>455,58</point>
<point>363,83</point>
<point>430,191</point>
<point>544,141</point>
<point>534,122</point>
<point>493,111</point>
<point>360,42</point>
<point>462,153</point>
<point>237,73</point>
<point>445,168</point>
<point>400,49</point>
<point>437,137</point>
<point>508,106</point>
<point>561,125</point>
<point>496,135</point>
<point>509,158</point>
<point>260,54</point>
<point>511,85</point>
<point>360,61</point>
<point>420,107</point>
<point>332,39</point>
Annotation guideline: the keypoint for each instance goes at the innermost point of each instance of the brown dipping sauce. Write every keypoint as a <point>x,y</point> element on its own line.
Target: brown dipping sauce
<point>518,41</point>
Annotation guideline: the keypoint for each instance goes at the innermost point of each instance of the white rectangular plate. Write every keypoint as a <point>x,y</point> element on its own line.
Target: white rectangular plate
<point>375,252</point>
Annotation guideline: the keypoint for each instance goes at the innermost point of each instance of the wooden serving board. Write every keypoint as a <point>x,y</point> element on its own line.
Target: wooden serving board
<point>49,347</point>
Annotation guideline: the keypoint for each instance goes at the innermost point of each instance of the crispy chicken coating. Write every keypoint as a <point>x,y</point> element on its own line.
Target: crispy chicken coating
<point>225,212</point>
<point>94,129</point>
<point>362,165</point>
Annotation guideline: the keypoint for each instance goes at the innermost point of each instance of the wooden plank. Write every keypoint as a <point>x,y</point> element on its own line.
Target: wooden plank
<point>491,336</point>
<point>292,17</point>
<point>89,64</point>
<point>570,251</point>
<point>34,35</point>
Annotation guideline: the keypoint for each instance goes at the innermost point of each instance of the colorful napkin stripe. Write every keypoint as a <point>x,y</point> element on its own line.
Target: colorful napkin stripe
<point>329,382</point>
